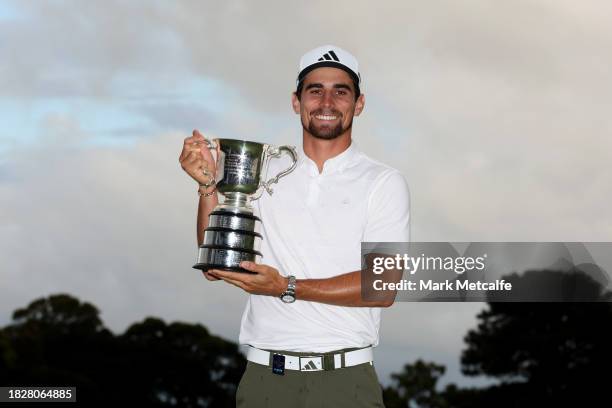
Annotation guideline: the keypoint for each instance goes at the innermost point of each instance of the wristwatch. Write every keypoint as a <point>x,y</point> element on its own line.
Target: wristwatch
<point>288,296</point>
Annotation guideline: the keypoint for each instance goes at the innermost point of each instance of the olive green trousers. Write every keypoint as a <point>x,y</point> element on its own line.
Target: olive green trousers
<point>354,387</point>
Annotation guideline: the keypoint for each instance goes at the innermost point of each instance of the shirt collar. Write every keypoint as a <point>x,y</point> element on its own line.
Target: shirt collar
<point>331,165</point>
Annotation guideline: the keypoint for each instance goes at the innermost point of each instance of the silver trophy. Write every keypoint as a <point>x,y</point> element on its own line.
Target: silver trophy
<point>233,232</point>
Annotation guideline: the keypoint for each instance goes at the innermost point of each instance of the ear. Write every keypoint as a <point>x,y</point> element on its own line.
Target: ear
<point>359,104</point>
<point>295,103</point>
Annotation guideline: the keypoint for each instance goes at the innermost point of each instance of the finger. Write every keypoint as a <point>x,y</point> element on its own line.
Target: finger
<point>190,159</point>
<point>236,283</point>
<point>193,148</point>
<point>195,155</point>
<point>184,152</point>
<point>192,140</point>
<point>198,137</point>
<point>210,277</point>
<point>196,159</point>
<point>188,149</point>
<point>253,267</point>
<point>237,276</point>
<point>206,153</point>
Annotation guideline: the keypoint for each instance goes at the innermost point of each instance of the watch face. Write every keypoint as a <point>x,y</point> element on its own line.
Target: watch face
<point>287,298</point>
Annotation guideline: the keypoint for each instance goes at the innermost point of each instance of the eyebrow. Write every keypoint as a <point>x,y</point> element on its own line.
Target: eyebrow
<point>336,86</point>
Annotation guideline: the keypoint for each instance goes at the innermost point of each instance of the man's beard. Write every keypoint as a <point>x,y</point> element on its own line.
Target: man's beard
<point>326,132</point>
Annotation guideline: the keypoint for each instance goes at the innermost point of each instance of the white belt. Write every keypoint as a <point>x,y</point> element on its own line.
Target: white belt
<point>314,362</point>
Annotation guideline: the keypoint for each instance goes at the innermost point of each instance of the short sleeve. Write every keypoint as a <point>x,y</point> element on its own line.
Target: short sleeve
<point>388,216</point>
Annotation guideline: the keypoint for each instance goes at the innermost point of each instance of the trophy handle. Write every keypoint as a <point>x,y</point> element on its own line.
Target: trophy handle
<point>214,148</point>
<point>211,144</point>
<point>274,152</point>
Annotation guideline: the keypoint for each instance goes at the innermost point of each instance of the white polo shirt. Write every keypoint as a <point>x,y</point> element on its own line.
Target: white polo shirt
<point>313,226</point>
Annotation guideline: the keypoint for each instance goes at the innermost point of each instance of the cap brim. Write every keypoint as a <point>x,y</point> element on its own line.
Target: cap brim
<point>332,64</point>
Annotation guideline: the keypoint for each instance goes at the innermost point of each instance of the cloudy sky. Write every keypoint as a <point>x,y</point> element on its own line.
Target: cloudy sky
<point>496,113</point>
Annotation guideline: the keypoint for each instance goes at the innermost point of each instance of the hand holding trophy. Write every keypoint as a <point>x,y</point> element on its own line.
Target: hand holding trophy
<point>197,160</point>
<point>238,174</point>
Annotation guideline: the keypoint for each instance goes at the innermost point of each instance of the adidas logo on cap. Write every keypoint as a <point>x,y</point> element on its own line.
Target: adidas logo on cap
<point>329,56</point>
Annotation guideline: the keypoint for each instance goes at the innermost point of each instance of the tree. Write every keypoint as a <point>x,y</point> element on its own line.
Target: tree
<point>543,354</point>
<point>553,353</point>
<point>415,387</point>
<point>182,363</point>
<point>54,341</point>
<point>60,340</point>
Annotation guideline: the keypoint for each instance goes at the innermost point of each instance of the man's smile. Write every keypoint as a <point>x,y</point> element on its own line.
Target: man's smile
<point>326,117</point>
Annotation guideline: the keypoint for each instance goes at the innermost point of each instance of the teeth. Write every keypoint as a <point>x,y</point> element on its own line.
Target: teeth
<point>325,117</point>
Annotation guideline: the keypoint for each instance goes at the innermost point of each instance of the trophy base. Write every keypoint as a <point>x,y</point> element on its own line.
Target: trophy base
<point>207,267</point>
<point>215,257</point>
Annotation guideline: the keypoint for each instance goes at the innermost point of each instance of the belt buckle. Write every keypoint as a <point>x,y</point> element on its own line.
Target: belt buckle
<point>312,363</point>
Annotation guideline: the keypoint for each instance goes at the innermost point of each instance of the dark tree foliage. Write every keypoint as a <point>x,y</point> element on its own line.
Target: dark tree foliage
<point>415,386</point>
<point>546,352</point>
<point>61,341</point>
<point>542,354</point>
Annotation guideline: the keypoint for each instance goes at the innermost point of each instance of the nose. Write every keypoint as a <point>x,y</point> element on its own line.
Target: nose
<point>328,99</point>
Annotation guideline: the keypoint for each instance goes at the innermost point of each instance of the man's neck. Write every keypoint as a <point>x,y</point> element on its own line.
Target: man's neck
<point>320,150</point>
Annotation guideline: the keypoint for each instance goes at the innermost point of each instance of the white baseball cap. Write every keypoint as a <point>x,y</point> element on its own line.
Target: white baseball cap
<point>329,56</point>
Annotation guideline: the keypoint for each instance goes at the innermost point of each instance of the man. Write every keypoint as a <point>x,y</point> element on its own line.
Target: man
<point>313,347</point>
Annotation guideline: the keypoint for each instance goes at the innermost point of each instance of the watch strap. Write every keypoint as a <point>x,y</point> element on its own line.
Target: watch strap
<point>291,284</point>
<point>290,291</point>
